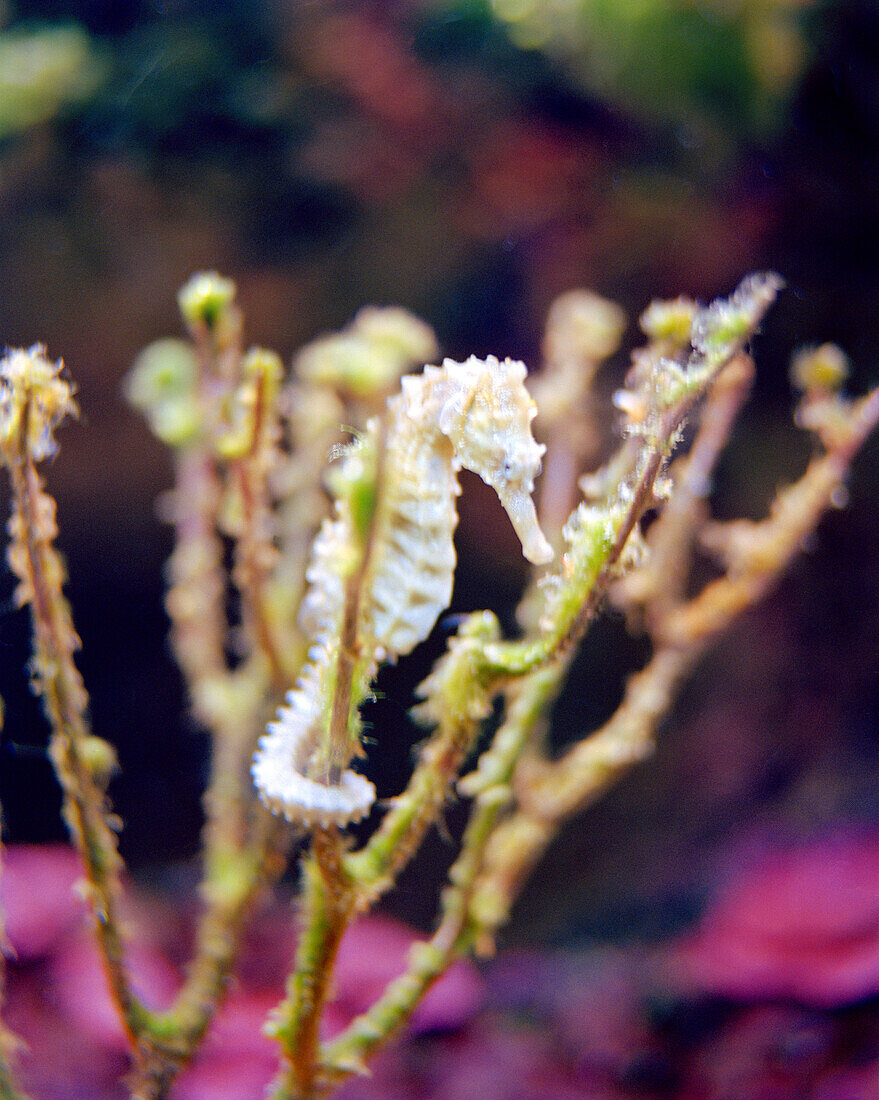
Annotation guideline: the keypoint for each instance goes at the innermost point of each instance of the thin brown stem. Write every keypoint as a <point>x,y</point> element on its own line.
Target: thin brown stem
<point>64,701</point>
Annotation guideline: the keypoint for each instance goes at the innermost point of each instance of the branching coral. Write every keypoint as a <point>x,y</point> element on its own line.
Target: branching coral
<point>280,679</point>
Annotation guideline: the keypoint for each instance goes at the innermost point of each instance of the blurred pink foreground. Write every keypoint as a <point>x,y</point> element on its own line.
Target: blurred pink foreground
<point>774,993</point>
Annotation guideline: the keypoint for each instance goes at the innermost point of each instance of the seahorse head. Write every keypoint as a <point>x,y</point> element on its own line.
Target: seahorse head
<point>486,414</point>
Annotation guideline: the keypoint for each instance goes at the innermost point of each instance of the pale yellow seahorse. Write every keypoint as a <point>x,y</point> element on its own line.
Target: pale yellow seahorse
<point>476,415</point>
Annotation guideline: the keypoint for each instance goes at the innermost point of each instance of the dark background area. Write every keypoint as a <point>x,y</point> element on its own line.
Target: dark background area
<point>328,155</point>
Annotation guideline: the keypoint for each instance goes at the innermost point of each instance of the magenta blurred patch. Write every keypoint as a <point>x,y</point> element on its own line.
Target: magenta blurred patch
<point>58,999</point>
<point>799,923</point>
<point>791,944</point>
<point>79,988</point>
<point>38,897</point>
<point>373,952</point>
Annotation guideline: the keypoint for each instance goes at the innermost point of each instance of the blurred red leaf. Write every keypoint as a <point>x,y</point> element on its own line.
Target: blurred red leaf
<point>237,1059</point>
<point>80,990</point>
<point>801,924</point>
<point>38,896</point>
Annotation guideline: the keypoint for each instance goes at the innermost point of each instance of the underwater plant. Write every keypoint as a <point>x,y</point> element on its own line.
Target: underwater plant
<point>45,71</point>
<point>724,72</point>
<point>333,582</point>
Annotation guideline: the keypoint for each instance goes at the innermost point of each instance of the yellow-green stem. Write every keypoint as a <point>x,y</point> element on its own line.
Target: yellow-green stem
<point>327,908</point>
<point>347,1053</point>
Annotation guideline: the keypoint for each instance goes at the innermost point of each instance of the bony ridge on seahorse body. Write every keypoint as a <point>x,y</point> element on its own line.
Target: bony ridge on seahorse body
<point>475,415</point>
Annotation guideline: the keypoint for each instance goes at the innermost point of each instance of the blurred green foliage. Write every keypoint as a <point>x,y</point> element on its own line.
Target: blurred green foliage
<point>45,70</point>
<point>727,67</point>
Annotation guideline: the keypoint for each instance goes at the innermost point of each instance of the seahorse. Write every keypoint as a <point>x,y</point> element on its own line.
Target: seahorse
<point>475,415</point>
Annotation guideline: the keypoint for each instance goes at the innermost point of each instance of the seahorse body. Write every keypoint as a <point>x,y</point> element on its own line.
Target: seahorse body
<point>476,415</point>
<point>287,766</point>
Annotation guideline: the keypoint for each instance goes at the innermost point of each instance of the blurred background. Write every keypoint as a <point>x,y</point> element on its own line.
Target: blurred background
<point>469,160</point>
